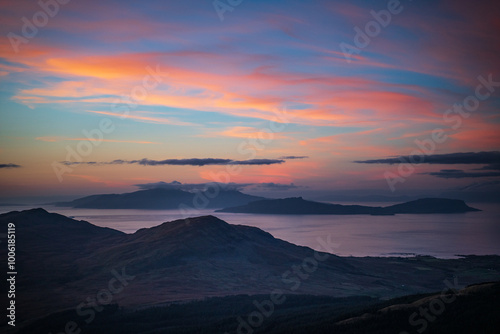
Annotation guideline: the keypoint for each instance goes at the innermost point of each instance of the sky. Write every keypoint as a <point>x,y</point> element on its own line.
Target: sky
<point>279,98</point>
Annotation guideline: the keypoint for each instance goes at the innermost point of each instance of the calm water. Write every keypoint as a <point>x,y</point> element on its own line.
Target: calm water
<point>440,235</point>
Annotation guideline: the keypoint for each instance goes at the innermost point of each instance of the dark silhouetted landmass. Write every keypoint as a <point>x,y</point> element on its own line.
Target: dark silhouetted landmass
<point>63,263</point>
<point>431,205</point>
<point>471,310</point>
<point>163,199</point>
<point>299,206</point>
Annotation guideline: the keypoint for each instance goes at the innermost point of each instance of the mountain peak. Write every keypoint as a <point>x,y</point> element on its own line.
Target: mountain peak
<point>201,222</point>
<point>30,213</point>
<point>184,229</point>
<point>35,211</point>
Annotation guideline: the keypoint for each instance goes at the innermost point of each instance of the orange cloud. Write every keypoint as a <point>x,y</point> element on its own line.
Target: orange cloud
<point>147,119</point>
<point>332,100</point>
<point>247,132</point>
<point>58,139</point>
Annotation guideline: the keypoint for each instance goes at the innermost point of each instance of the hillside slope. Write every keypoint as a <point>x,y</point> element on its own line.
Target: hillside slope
<point>64,263</point>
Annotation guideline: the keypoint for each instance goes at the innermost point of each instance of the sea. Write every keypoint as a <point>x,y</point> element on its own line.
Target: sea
<point>438,235</point>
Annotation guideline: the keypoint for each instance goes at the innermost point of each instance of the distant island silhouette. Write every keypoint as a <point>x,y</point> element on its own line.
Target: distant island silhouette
<point>235,201</point>
<point>300,206</point>
<point>162,199</point>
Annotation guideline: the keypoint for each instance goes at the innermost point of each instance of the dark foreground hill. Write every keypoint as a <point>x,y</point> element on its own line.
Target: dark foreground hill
<point>163,199</point>
<point>299,206</point>
<point>470,310</point>
<point>64,264</point>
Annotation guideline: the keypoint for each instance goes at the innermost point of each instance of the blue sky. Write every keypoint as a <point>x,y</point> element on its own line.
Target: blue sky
<point>271,74</point>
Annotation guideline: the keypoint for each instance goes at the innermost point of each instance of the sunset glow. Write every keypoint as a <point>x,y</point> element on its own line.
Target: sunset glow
<point>159,80</point>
